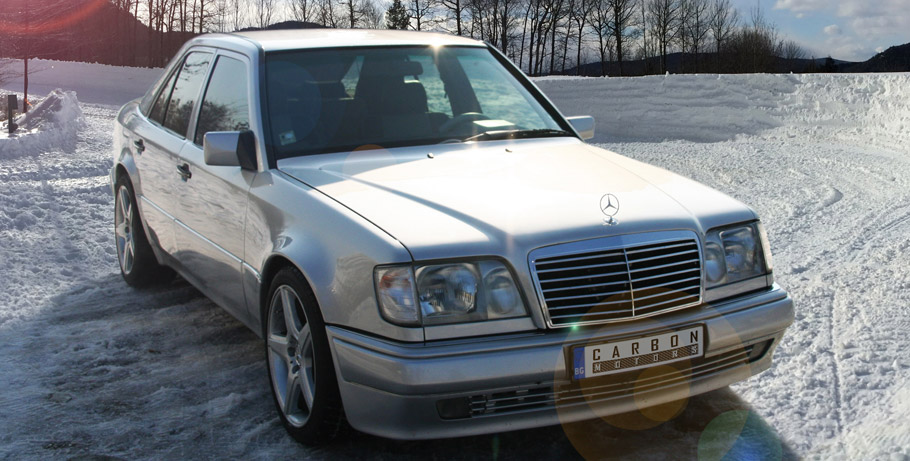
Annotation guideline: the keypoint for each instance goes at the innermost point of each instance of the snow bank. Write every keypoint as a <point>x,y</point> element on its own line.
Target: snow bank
<point>50,124</point>
<point>95,83</point>
<point>864,108</point>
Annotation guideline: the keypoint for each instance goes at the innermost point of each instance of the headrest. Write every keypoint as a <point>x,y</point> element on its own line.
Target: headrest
<point>397,68</point>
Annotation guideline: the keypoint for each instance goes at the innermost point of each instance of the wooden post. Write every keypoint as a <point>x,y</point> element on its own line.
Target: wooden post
<point>11,105</point>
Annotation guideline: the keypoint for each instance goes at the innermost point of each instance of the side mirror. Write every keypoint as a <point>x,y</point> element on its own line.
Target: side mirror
<point>230,148</point>
<point>584,125</point>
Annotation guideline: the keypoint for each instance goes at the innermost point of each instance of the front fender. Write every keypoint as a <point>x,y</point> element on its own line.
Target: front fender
<point>335,249</point>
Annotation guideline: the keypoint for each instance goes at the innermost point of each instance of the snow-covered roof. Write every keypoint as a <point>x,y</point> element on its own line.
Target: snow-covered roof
<point>275,40</point>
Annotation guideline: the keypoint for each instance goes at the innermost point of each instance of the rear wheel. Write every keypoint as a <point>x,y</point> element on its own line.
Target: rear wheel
<point>300,368</point>
<point>137,260</point>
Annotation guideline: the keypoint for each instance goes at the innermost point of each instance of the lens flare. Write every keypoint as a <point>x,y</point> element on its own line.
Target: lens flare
<point>48,24</point>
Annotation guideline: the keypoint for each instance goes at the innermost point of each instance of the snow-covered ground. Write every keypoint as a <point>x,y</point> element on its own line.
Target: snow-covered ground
<point>90,367</point>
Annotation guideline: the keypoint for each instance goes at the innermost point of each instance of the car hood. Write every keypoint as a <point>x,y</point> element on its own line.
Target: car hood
<point>508,197</point>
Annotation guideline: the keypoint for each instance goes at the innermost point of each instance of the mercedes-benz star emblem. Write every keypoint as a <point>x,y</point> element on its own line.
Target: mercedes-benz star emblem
<point>609,205</point>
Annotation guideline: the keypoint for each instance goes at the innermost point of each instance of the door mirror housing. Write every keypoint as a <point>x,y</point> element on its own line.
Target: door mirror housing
<point>230,148</point>
<point>584,125</point>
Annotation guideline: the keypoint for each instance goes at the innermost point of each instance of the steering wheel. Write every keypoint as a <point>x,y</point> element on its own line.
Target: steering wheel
<point>461,119</point>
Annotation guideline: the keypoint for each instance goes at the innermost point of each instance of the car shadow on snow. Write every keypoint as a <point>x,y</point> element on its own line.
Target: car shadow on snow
<point>716,425</point>
<point>107,370</point>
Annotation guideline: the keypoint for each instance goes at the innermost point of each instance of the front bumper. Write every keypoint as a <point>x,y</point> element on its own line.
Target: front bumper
<point>519,381</point>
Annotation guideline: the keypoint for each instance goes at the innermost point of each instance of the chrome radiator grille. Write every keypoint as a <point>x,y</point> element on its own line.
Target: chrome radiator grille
<point>620,283</point>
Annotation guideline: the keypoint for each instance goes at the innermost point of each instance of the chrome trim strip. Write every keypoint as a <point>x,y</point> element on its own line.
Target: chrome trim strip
<point>605,274</point>
<point>580,258</point>
<point>591,266</point>
<point>622,243</point>
<point>645,250</point>
<point>197,234</point>
<point>165,213</point>
<point>253,271</point>
<point>736,288</point>
<point>679,253</point>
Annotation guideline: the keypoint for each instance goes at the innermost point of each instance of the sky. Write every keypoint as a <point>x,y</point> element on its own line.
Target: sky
<point>851,30</point>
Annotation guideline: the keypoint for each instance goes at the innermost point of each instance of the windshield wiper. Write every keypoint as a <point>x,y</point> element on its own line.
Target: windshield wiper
<point>517,134</point>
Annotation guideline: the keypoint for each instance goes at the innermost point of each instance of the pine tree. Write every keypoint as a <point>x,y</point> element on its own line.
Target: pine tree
<point>397,16</point>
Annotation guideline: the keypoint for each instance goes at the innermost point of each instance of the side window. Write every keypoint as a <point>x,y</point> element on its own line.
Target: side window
<point>157,113</point>
<point>186,90</point>
<point>225,106</point>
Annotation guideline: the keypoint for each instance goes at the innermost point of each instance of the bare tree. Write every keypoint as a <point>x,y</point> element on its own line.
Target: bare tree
<point>504,19</point>
<point>303,10</point>
<point>622,25</point>
<point>353,12</point>
<point>421,13</point>
<point>754,48</point>
<point>455,9</point>
<point>371,15</point>
<point>664,17</point>
<point>792,50</point>
<point>327,14</point>
<point>602,25</point>
<point>264,11</point>
<point>694,26</point>
<point>579,12</point>
<point>723,23</point>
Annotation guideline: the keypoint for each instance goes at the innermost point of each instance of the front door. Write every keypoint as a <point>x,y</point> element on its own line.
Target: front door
<point>212,200</point>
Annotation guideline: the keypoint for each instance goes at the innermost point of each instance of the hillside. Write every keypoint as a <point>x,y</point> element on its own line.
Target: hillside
<point>894,59</point>
<point>678,63</point>
<point>94,31</point>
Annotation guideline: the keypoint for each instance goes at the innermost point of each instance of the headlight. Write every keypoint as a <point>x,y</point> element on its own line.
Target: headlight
<point>448,293</point>
<point>735,253</point>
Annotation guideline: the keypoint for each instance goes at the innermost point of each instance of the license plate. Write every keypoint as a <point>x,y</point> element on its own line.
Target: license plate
<point>634,354</point>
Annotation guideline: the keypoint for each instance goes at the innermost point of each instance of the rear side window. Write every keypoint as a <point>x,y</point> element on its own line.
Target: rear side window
<point>186,90</point>
<point>225,106</point>
<point>158,109</point>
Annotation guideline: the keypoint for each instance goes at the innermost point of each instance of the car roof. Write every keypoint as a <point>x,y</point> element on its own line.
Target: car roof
<point>293,39</point>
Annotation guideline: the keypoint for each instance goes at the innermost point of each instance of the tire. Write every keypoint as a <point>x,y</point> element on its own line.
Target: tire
<point>301,374</point>
<point>138,265</point>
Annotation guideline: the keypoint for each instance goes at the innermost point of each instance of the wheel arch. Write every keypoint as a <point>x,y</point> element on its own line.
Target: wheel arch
<point>274,264</point>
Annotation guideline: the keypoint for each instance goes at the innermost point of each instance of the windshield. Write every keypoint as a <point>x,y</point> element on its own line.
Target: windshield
<point>342,99</point>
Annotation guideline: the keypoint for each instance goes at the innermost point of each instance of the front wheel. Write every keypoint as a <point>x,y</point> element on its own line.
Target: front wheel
<point>300,369</point>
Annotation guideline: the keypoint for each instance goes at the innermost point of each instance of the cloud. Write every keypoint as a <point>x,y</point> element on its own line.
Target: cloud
<point>874,27</point>
<point>833,29</point>
<point>801,6</point>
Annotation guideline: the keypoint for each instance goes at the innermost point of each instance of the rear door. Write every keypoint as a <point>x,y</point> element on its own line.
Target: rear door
<point>158,140</point>
<point>212,206</point>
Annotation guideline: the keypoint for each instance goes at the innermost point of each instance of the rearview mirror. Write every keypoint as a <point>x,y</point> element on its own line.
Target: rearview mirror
<point>230,148</point>
<point>584,125</point>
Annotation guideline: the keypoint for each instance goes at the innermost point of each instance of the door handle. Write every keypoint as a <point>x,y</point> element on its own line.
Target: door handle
<point>140,145</point>
<point>184,171</point>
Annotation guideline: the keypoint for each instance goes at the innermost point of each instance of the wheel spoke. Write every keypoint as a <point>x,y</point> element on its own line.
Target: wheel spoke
<point>292,393</point>
<point>307,383</point>
<point>290,314</point>
<point>306,386</point>
<point>279,345</point>
<point>124,204</point>
<point>127,258</point>
<point>303,335</point>
<point>120,230</point>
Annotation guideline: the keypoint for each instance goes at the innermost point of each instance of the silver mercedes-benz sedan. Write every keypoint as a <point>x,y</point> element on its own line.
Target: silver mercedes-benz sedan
<point>427,247</point>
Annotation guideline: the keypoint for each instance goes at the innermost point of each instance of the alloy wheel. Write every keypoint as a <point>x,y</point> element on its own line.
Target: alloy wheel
<point>291,357</point>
